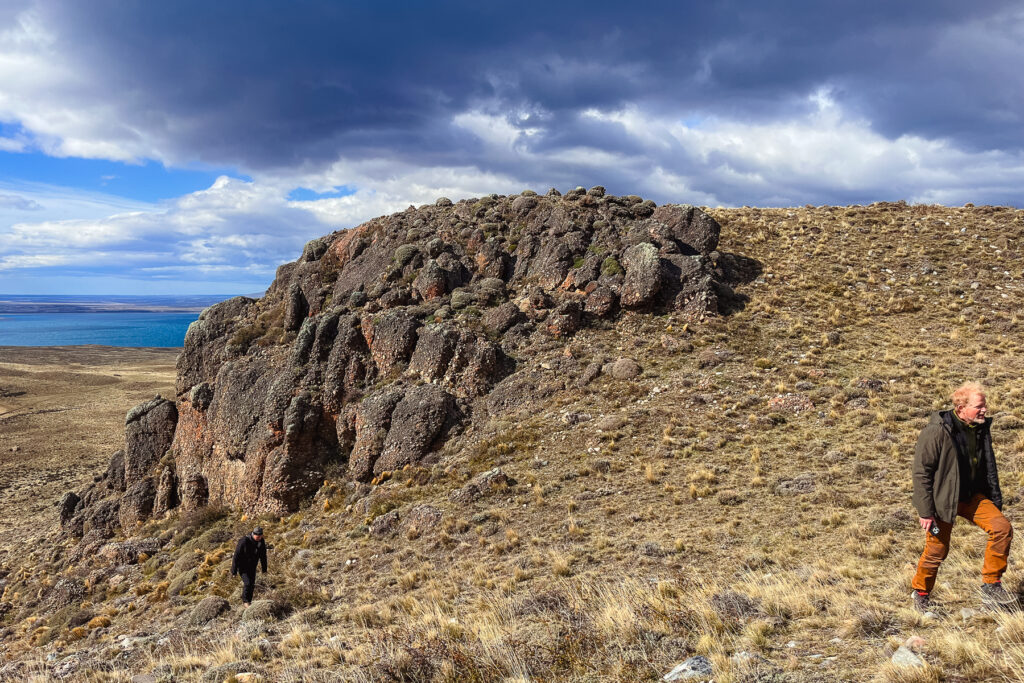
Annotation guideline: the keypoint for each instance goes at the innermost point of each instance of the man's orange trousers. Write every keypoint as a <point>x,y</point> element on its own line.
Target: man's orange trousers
<point>981,511</point>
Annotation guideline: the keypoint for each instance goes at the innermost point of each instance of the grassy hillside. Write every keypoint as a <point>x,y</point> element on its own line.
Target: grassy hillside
<point>749,492</point>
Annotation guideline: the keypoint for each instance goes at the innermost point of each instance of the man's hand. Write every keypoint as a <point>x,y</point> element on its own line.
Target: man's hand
<point>926,522</point>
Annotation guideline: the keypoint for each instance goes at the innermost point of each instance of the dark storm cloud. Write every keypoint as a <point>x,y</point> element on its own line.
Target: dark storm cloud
<point>267,85</point>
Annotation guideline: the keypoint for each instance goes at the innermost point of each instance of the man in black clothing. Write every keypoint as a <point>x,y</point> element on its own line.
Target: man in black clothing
<point>250,551</point>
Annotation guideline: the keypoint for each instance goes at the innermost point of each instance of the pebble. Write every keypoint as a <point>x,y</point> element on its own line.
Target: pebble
<point>791,643</point>
<point>914,643</point>
<point>967,613</point>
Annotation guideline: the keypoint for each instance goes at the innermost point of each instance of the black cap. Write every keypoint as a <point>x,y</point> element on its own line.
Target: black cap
<point>258,531</point>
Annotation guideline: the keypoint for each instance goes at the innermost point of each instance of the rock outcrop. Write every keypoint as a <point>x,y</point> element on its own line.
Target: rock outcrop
<point>380,342</point>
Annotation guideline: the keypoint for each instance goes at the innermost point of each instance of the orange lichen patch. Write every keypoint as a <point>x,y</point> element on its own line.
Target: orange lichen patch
<point>343,248</point>
<point>569,283</point>
<point>432,291</point>
<point>366,325</point>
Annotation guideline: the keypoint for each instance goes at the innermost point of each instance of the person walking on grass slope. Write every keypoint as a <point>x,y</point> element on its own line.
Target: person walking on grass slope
<point>250,551</point>
<point>955,475</point>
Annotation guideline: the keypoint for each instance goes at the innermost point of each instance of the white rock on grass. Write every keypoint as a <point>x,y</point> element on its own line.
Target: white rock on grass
<point>692,668</point>
<point>904,657</point>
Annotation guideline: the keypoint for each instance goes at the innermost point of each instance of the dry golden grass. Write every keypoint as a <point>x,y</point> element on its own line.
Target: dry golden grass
<point>756,502</point>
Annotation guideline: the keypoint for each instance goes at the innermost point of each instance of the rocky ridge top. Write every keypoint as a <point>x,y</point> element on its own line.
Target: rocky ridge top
<point>382,342</point>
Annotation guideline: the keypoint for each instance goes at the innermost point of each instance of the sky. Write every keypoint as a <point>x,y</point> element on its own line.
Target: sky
<point>192,147</point>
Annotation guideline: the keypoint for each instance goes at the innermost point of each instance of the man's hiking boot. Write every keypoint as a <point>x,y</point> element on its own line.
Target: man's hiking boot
<point>921,601</point>
<point>994,595</point>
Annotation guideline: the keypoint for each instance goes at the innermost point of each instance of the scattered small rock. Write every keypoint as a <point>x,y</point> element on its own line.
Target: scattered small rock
<point>833,456</point>
<point>914,643</point>
<point>694,667</point>
<point>385,525</point>
<point>802,483</point>
<point>904,657</point>
<point>652,549</point>
<point>482,484</point>
<point>625,368</point>
<point>609,423</point>
<point>266,610</point>
<point>592,372</point>
<point>208,609</point>
<point>233,671</point>
<point>790,403</point>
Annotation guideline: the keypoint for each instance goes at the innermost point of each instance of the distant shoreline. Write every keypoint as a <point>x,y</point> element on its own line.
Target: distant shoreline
<point>88,347</point>
<point>6,308</point>
<point>34,304</point>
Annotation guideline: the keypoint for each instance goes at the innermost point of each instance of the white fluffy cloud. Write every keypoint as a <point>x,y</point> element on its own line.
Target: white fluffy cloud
<point>232,226</point>
<point>58,110</point>
<point>238,228</point>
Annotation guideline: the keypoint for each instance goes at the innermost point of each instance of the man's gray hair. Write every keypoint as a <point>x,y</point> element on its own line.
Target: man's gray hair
<point>963,393</point>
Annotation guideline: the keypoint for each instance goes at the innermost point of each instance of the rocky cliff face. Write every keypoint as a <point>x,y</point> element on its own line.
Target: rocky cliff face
<point>383,341</point>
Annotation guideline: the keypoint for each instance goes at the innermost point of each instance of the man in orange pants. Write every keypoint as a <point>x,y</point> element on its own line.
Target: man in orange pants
<point>955,475</point>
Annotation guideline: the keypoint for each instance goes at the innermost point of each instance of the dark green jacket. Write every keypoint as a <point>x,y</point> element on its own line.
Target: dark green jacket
<point>937,469</point>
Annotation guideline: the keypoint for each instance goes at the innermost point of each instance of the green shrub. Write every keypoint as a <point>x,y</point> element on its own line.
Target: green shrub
<point>611,267</point>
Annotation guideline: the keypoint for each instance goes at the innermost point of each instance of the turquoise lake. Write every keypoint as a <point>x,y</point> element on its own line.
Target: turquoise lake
<point>126,328</point>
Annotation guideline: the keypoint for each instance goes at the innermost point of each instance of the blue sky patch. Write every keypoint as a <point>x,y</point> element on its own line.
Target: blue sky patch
<point>147,182</point>
<point>304,194</point>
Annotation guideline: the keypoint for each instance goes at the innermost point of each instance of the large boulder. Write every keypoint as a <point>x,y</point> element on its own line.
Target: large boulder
<point>149,431</point>
<point>114,476</point>
<point>67,507</point>
<point>418,421</point>
<point>391,337</point>
<point>500,319</point>
<point>643,275</point>
<point>696,230</point>
<point>372,422</point>
<point>206,342</point>
<point>166,491</point>
<point>137,503</point>
<point>435,348</point>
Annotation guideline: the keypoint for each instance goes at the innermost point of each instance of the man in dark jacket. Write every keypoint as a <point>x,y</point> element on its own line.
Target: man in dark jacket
<point>955,475</point>
<point>250,551</point>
